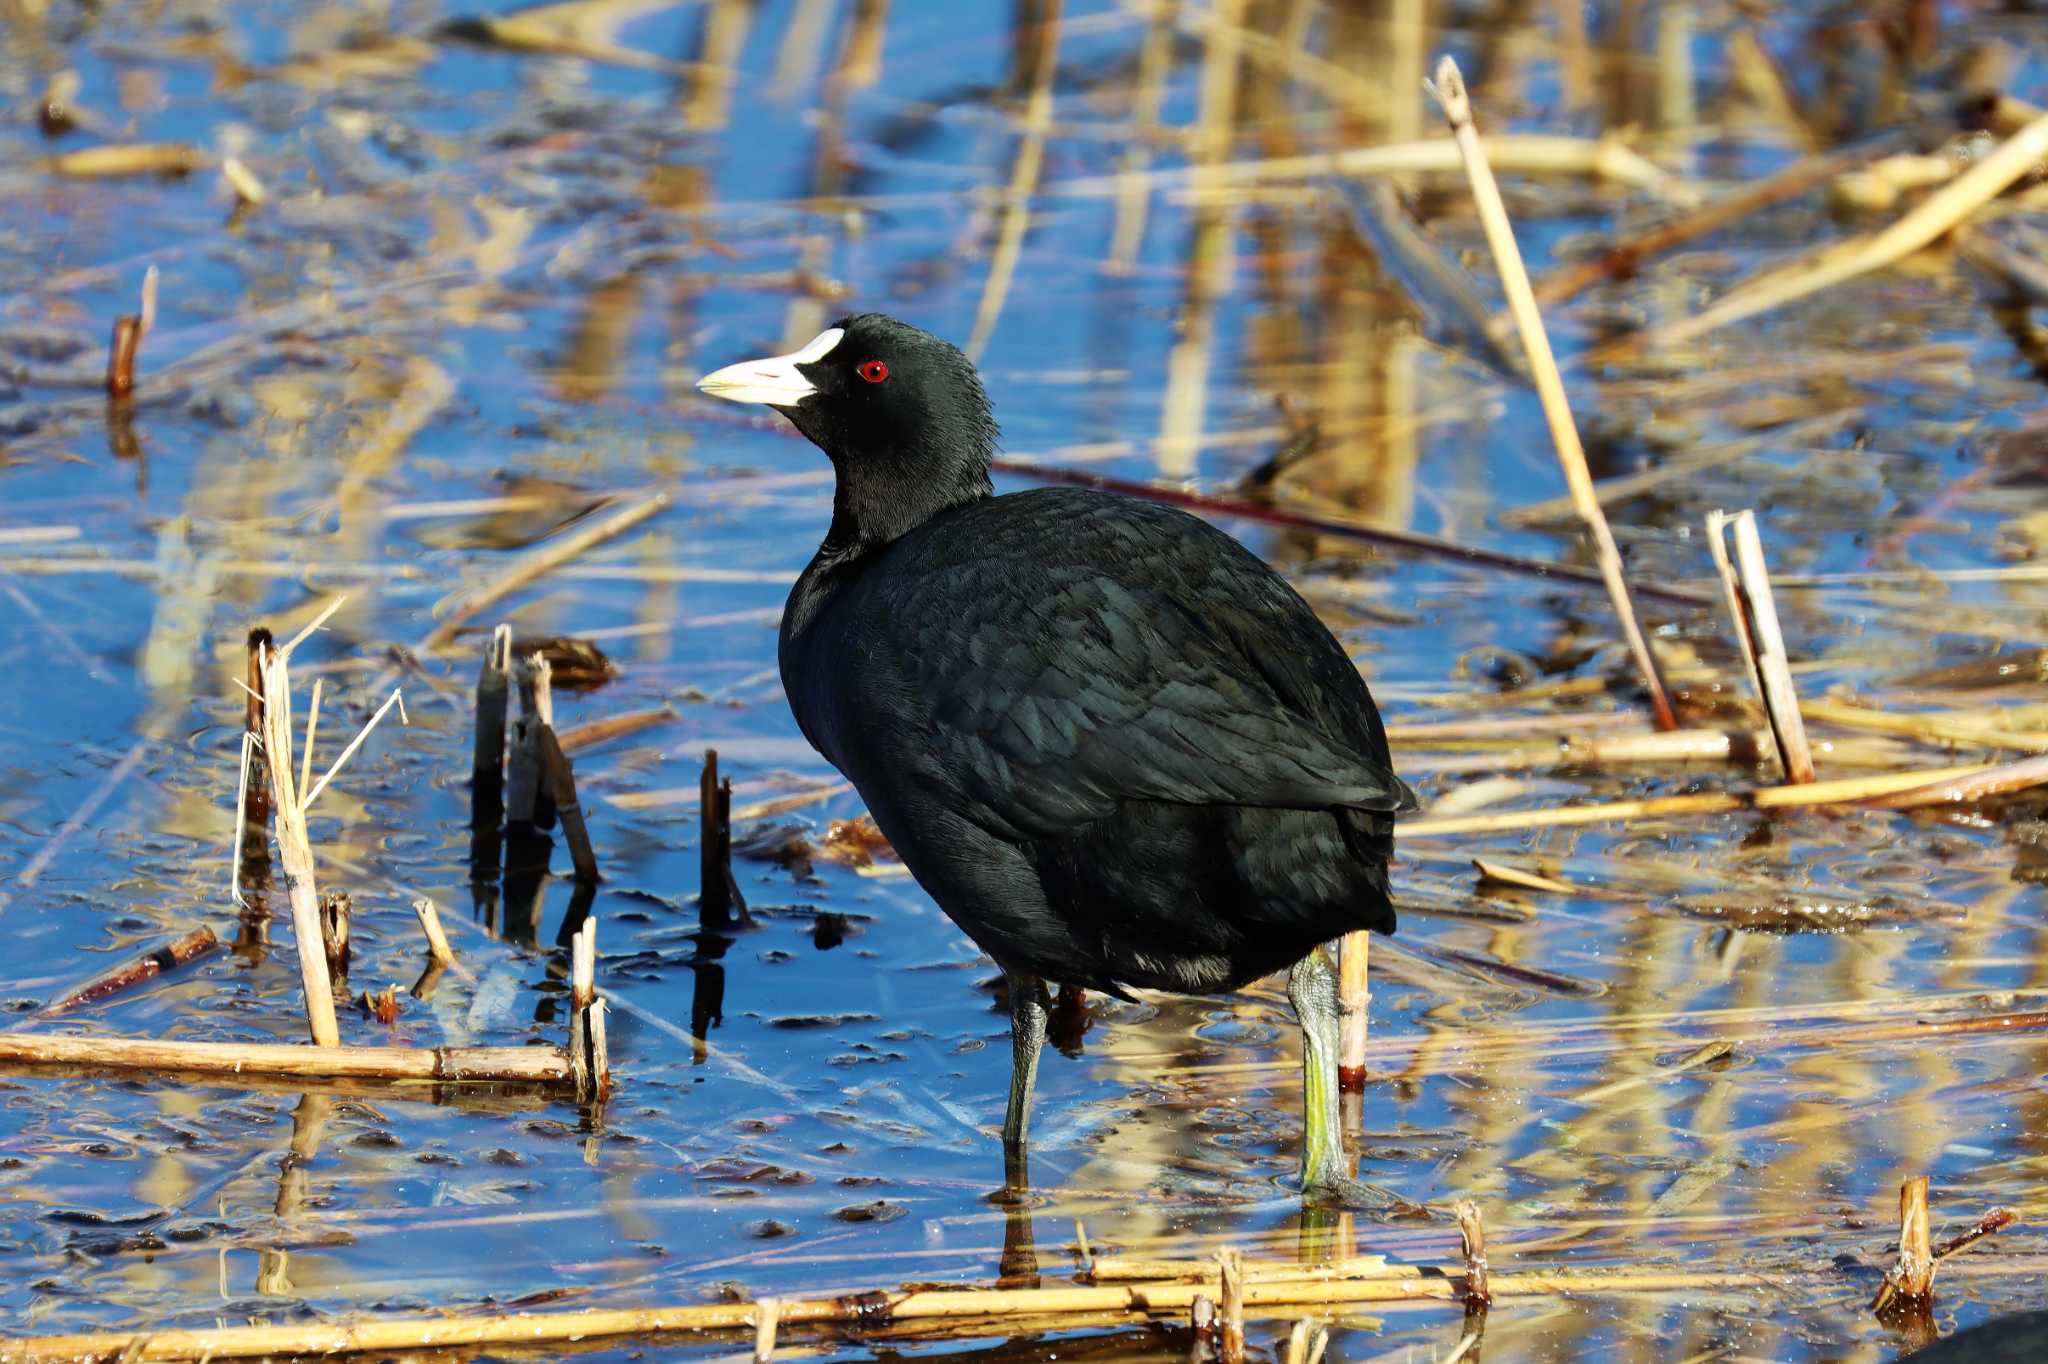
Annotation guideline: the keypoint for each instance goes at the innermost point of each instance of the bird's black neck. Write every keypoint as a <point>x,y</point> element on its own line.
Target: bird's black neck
<point>867,517</point>
<point>874,505</point>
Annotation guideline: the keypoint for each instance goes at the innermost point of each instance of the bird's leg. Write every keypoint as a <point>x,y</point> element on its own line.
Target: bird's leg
<point>1312,987</point>
<point>1027,1038</point>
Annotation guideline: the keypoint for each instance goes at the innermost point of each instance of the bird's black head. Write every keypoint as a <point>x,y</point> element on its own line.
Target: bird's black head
<point>900,412</point>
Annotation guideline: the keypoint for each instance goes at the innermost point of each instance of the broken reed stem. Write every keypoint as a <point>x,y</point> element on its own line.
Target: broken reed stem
<point>1472,1237</point>
<point>546,1065</point>
<point>1927,785</point>
<point>1774,665</point>
<point>901,1307</point>
<point>1622,258</point>
<point>312,728</point>
<point>493,701</point>
<point>1500,235</point>
<point>395,699</point>
<point>1230,1304</point>
<point>561,781</point>
<point>600,1051</point>
<point>1746,583</point>
<point>121,355</point>
<point>335,909</point>
<point>718,895</point>
<point>594,732</point>
<point>463,609</point>
<point>1354,1009</point>
<point>767,1315</point>
<point>582,990</point>
<point>129,329</point>
<point>1909,1284</point>
<point>194,945</point>
<point>295,849</point>
<point>1937,214</point>
<point>524,787</point>
<point>430,924</point>
<point>1963,787</point>
<point>253,801</point>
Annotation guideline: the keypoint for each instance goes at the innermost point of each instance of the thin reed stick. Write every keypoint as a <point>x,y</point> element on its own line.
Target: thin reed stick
<point>1746,584</point>
<point>190,947</point>
<point>1622,259</point>
<point>312,728</point>
<point>1809,794</point>
<point>878,1309</point>
<point>1938,213</point>
<point>395,699</point>
<point>1230,1304</point>
<point>1500,235</point>
<point>1910,1282</point>
<point>561,780</point>
<point>430,924</point>
<point>465,608</point>
<point>1472,1238</point>
<point>1354,1009</point>
<point>493,700</point>
<point>295,849</point>
<point>536,1064</point>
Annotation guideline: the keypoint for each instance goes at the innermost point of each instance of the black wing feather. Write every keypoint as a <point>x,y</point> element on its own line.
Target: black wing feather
<point>1079,650</point>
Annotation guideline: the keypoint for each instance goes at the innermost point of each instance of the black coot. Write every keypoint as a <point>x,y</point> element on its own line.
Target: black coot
<point>1111,743</point>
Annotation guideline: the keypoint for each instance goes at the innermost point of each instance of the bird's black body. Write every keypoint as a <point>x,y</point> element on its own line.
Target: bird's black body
<point>1115,746</point>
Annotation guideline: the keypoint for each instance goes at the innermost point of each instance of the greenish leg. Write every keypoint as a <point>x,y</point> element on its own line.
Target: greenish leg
<point>1312,987</point>
<point>1027,1038</point>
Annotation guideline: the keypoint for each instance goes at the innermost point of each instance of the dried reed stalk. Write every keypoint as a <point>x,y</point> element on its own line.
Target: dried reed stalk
<point>1354,1009</point>
<point>1910,1282</point>
<point>535,1064</point>
<point>561,782</point>
<point>1622,258</point>
<point>1500,235</point>
<point>465,608</point>
<point>1472,1238</point>
<point>1963,788</point>
<point>336,907</point>
<point>718,894</point>
<point>767,1316</point>
<point>523,785</point>
<point>1938,213</point>
<point>295,849</point>
<point>493,700</point>
<point>1932,728</point>
<point>875,1310</point>
<point>582,993</point>
<point>1607,158</point>
<point>1840,792</point>
<point>430,924</point>
<point>594,732</point>
<point>1230,1305</point>
<point>129,329</point>
<point>1746,583</point>
<point>198,943</point>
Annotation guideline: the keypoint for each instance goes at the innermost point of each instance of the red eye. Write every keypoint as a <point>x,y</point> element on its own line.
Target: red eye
<point>874,371</point>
